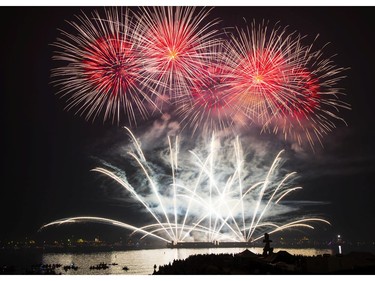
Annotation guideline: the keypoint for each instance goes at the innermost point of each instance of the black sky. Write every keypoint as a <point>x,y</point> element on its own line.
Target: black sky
<point>47,151</point>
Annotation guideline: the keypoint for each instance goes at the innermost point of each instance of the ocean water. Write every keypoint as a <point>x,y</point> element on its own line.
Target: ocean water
<point>142,262</point>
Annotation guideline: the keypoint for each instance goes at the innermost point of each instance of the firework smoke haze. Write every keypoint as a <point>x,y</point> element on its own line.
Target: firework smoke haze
<point>210,193</point>
<point>283,85</point>
<point>102,75</point>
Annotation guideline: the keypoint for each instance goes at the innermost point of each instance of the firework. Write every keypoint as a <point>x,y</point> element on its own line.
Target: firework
<point>209,108</point>
<point>122,66</point>
<point>173,43</point>
<point>209,195</point>
<point>102,72</point>
<point>283,85</point>
<point>316,112</point>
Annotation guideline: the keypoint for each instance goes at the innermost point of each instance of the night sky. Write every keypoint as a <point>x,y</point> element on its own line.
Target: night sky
<point>48,152</point>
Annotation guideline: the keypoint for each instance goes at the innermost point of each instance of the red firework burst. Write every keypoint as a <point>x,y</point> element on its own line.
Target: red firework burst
<point>282,85</point>
<point>261,73</point>
<point>308,97</point>
<point>110,65</point>
<point>310,117</point>
<point>209,107</point>
<point>116,66</point>
<point>172,42</point>
<point>102,74</point>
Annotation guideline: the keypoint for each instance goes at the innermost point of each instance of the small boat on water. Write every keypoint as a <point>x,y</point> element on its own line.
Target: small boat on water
<point>71,266</point>
<point>101,265</point>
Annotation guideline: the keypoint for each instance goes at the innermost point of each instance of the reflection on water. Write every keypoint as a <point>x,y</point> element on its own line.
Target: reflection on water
<point>141,262</point>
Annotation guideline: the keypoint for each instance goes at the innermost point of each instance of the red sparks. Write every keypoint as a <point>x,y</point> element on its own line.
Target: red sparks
<point>209,107</point>
<point>259,83</point>
<point>211,94</point>
<point>169,56</point>
<point>263,73</point>
<point>307,98</point>
<point>172,45</point>
<point>111,65</point>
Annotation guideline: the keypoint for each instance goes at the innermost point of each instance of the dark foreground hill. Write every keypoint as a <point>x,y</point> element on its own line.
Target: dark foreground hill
<point>276,263</point>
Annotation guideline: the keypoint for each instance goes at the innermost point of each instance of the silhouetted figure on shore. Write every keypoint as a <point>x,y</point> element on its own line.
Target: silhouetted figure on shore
<point>267,250</point>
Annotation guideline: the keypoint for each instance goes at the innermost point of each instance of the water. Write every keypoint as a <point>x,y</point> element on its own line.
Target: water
<point>141,262</point>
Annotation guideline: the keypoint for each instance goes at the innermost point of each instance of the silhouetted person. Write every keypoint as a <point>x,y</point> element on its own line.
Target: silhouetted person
<point>267,250</point>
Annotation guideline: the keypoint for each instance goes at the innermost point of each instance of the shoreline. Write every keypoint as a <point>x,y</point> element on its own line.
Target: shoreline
<point>27,262</point>
<point>278,263</point>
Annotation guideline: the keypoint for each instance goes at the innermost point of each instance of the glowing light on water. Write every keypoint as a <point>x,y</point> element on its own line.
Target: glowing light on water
<point>212,194</point>
<point>141,262</point>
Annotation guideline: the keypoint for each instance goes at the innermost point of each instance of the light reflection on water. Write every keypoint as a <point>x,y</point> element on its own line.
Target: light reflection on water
<point>141,262</point>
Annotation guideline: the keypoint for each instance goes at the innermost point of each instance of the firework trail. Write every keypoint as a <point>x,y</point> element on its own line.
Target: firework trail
<point>102,72</point>
<point>283,85</point>
<point>209,196</point>
<point>174,43</point>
